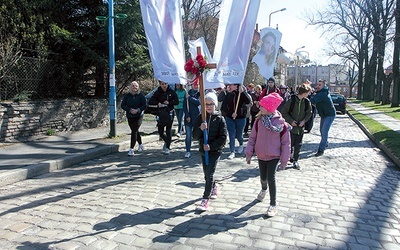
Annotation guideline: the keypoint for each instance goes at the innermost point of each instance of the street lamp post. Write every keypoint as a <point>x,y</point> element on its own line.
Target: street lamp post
<point>300,57</point>
<point>269,21</point>
<point>297,64</point>
<point>111,42</point>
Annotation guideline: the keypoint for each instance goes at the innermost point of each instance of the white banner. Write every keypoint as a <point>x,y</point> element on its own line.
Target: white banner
<point>268,51</point>
<point>235,34</point>
<point>162,20</point>
<point>193,44</point>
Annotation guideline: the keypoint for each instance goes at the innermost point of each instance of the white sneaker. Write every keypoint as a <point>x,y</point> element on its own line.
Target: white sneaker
<point>231,156</point>
<point>167,151</point>
<point>240,149</point>
<point>140,148</point>
<point>178,135</point>
<point>187,155</point>
<point>164,148</point>
<point>261,195</point>
<point>130,152</point>
<point>272,211</point>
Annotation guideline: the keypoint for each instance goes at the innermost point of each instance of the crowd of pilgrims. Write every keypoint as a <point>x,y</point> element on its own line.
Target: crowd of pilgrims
<point>274,118</point>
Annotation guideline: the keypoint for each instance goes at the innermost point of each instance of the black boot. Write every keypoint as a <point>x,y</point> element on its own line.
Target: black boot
<point>319,153</point>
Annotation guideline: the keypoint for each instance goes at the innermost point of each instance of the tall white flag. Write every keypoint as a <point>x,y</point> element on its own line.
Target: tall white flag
<point>268,51</point>
<point>162,20</point>
<point>235,34</point>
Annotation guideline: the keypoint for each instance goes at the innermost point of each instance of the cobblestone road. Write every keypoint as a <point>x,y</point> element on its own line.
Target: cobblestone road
<point>346,199</point>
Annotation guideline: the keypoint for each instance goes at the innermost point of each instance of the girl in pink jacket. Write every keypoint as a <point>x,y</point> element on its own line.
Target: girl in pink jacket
<point>270,141</point>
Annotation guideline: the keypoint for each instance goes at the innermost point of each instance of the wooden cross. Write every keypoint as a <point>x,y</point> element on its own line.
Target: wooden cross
<point>201,86</point>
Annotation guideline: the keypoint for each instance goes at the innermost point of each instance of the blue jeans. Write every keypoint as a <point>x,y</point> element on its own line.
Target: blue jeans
<point>188,138</point>
<point>324,126</point>
<point>179,117</point>
<point>235,130</point>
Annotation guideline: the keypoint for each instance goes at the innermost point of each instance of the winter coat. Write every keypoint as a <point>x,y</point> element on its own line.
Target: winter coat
<point>267,90</point>
<point>217,132</point>
<point>133,101</point>
<point>194,106</point>
<point>160,96</point>
<point>181,93</point>
<point>254,97</point>
<point>298,114</point>
<point>229,104</point>
<point>323,101</point>
<point>269,145</point>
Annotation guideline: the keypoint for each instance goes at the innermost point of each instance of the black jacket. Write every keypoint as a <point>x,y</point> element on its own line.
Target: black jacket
<point>160,97</point>
<point>135,101</point>
<point>229,103</point>
<point>217,132</point>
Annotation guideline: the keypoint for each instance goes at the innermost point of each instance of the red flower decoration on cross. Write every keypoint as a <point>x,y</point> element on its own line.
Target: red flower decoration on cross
<point>194,68</point>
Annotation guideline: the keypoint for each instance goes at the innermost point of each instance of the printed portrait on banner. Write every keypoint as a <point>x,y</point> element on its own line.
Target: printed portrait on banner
<point>268,51</point>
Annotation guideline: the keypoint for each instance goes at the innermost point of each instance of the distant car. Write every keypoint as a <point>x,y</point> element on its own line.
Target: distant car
<point>340,102</point>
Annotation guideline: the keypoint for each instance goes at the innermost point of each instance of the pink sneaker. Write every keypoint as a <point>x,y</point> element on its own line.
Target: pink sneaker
<point>214,192</point>
<point>203,205</point>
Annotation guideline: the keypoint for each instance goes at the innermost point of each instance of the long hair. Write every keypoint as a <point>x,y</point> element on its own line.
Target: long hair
<point>270,58</point>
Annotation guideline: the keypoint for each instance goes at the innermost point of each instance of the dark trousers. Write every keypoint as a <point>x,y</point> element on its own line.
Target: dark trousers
<point>267,178</point>
<point>134,124</point>
<point>246,126</point>
<point>209,170</point>
<point>165,136</point>
<point>296,142</point>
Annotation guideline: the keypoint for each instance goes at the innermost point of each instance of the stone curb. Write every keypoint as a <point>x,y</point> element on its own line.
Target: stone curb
<point>67,161</point>
<point>372,138</point>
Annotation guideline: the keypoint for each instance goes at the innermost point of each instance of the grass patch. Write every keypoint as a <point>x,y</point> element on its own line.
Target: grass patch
<point>393,112</point>
<point>383,134</point>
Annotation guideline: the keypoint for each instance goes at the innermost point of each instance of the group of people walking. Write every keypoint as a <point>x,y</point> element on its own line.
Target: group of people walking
<point>278,122</point>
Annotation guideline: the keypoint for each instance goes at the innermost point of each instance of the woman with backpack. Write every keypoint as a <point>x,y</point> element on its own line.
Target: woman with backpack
<point>296,112</point>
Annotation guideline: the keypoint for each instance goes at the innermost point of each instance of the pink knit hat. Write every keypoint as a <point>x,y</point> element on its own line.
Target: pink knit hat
<point>271,102</point>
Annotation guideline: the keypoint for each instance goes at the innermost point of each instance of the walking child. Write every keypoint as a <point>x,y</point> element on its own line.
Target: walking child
<point>296,112</point>
<point>217,134</point>
<point>270,141</point>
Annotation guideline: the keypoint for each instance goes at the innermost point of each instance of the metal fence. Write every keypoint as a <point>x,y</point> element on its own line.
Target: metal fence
<point>26,79</point>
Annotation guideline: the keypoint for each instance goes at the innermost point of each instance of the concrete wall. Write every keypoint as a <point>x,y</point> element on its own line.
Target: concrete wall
<point>29,120</point>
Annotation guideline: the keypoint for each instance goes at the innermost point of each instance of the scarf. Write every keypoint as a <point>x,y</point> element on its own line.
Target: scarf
<point>266,121</point>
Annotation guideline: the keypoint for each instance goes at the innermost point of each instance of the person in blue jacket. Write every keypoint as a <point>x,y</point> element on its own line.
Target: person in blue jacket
<point>326,110</point>
<point>191,108</point>
<point>134,103</point>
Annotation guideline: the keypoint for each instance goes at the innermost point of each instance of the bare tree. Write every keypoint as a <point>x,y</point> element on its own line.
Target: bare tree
<point>200,19</point>
<point>396,52</point>
<point>380,16</point>
<point>347,29</point>
<point>10,53</point>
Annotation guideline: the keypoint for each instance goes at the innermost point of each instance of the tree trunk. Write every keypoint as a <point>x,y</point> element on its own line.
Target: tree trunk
<point>100,90</point>
<point>361,60</point>
<point>396,54</point>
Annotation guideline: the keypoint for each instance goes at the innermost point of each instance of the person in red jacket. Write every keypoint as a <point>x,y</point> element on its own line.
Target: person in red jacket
<point>270,141</point>
<point>270,88</point>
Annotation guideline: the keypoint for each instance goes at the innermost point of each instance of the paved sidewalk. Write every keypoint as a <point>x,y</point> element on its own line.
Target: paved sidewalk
<point>19,161</point>
<point>346,199</point>
<point>378,116</point>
